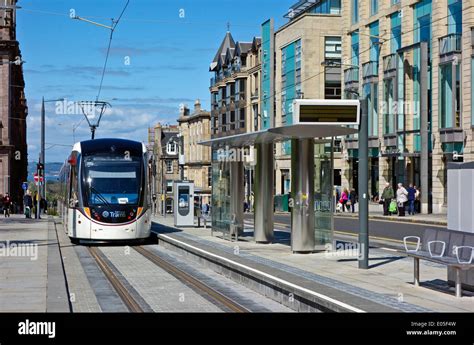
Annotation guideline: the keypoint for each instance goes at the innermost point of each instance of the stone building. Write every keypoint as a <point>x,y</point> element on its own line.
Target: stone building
<point>164,163</point>
<point>418,98</point>
<point>13,108</point>
<point>193,128</point>
<point>235,95</point>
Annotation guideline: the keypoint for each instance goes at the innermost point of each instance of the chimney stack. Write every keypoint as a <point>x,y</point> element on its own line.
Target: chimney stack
<point>197,106</point>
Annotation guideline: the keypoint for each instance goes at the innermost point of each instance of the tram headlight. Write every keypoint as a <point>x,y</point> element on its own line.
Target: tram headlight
<point>87,210</point>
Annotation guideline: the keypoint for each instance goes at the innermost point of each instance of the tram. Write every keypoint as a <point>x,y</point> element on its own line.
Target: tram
<point>105,194</point>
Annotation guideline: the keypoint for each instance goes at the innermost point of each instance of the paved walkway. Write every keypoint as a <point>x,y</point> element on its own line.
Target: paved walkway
<point>436,219</point>
<point>386,286</point>
<point>29,259</point>
<point>376,212</point>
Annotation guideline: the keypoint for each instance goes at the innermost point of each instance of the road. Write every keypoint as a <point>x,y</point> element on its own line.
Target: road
<point>379,230</point>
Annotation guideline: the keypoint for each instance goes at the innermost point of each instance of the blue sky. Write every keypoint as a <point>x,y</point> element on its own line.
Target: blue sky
<point>158,60</point>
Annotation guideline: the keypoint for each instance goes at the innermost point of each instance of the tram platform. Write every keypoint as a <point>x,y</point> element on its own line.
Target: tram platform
<point>326,281</point>
<point>30,266</point>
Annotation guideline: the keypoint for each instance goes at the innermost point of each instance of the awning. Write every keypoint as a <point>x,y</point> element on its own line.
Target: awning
<point>271,135</point>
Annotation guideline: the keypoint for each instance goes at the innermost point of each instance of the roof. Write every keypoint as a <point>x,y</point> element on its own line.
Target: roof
<point>227,42</point>
<point>271,135</point>
<point>110,145</point>
<point>300,7</point>
<point>167,136</point>
<point>243,48</point>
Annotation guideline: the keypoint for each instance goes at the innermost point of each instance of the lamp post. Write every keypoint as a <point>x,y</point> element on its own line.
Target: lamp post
<point>43,133</point>
<point>363,139</point>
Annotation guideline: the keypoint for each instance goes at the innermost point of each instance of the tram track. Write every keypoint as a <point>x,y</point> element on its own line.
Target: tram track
<point>129,301</point>
<point>188,279</point>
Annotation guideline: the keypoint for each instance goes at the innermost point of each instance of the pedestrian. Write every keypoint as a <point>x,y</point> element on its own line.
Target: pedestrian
<point>344,199</point>
<point>28,204</point>
<point>6,205</point>
<point>353,197</point>
<point>43,205</point>
<point>36,209</point>
<point>417,199</point>
<point>411,199</point>
<point>387,196</point>
<point>402,198</point>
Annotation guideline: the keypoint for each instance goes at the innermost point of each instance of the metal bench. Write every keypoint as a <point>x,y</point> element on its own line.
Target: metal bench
<point>450,248</point>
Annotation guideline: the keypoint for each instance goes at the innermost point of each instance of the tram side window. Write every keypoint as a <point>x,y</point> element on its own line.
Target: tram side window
<point>73,192</point>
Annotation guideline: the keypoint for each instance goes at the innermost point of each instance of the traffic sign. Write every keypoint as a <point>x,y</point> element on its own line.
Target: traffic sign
<point>24,185</point>
<point>35,176</point>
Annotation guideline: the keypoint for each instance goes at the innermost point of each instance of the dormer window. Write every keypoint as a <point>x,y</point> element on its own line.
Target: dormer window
<point>171,148</point>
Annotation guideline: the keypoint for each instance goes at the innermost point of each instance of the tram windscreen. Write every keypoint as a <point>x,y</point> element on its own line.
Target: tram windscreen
<point>112,181</point>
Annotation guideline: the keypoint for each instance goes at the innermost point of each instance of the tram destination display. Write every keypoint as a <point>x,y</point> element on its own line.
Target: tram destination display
<point>326,112</point>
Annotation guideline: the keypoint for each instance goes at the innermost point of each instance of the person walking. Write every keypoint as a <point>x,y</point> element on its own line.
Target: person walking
<point>411,199</point>
<point>402,198</point>
<point>353,198</point>
<point>344,198</point>
<point>28,204</point>
<point>36,209</point>
<point>6,205</point>
<point>387,196</point>
<point>417,199</point>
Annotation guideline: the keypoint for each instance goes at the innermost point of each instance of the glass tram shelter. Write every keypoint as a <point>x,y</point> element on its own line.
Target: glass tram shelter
<point>311,196</point>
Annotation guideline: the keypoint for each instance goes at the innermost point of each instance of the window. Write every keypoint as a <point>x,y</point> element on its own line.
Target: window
<point>395,32</point>
<point>450,112</point>
<point>332,48</point>
<point>355,11</point>
<point>169,186</point>
<point>332,80</point>
<point>370,92</point>
<point>171,148</point>
<point>327,7</point>
<point>388,106</point>
<point>169,166</point>
<point>394,2</point>
<point>355,48</point>
<point>209,176</point>
<point>454,16</point>
<point>374,7</point>
<point>374,41</point>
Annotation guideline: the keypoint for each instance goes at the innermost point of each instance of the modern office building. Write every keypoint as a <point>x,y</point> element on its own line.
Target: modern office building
<point>13,108</point>
<point>303,49</point>
<point>412,61</point>
<point>195,127</point>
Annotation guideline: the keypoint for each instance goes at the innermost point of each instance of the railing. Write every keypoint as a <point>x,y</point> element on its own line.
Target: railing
<point>451,43</point>
<point>370,69</point>
<point>390,63</point>
<point>351,75</point>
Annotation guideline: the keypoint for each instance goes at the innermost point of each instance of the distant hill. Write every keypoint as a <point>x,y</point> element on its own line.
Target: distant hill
<point>52,171</point>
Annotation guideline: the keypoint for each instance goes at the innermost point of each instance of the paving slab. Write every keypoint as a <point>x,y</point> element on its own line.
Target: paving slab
<point>387,286</point>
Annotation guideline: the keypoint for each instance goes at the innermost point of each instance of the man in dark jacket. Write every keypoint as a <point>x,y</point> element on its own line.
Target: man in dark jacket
<point>6,205</point>
<point>387,196</point>
<point>28,204</point>
<point>411,199</point>
<point>353,199</point>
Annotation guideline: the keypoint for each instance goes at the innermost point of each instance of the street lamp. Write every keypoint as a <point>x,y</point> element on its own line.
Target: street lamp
<point>363,139</point>
<point>42,154</point>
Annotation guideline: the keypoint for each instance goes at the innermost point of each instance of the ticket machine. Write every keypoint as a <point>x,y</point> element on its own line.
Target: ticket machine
<point>183,203</point>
